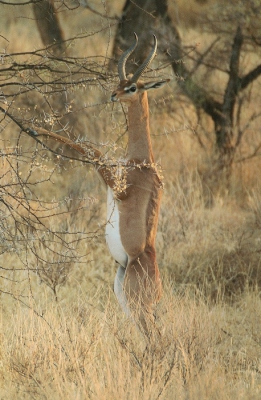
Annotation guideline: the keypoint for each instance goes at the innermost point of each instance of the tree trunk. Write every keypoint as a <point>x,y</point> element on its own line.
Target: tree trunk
<point>146,17</point>
<point>49,27</point>
<point>143,18</point>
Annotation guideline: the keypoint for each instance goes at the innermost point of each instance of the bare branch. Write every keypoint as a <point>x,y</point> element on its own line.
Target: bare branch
<point>20,4</point>
<point>85,4</point>
<point>201,57</point>
<point>250,77</point>
<point>255,153</point>
<point>233,82</point>
<point>89,153</point>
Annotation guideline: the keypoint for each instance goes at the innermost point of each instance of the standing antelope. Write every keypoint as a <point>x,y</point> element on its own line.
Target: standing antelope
<point>132,211</point>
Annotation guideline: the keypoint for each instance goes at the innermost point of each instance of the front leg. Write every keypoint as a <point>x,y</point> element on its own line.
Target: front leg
<point>90,154</point>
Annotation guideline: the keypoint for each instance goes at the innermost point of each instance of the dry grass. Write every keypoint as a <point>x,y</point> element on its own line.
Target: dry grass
<point>87,351</point>
<point>216,248</point>
<point>63,335</point>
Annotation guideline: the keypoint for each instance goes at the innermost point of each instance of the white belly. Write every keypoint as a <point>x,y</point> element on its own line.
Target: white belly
<point>113,237</point>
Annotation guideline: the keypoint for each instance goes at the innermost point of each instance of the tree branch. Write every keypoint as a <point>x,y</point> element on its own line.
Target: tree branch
<point>20,4</point>
<point>171,46</point>
<point>89,7</point>
<point>250,77</point>
<point>91,155</point>
<point>233,86</point>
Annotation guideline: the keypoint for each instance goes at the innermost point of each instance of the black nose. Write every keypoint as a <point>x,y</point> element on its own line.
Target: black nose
<point>114,97</point>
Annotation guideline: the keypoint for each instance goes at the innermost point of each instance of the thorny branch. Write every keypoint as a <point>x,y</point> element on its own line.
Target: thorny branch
<point>8,3</point>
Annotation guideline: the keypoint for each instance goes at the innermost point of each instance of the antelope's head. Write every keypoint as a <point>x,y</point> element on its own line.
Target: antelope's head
<point>129,89</point>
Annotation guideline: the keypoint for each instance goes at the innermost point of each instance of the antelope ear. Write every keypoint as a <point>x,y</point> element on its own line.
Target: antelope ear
<point>155,85</point>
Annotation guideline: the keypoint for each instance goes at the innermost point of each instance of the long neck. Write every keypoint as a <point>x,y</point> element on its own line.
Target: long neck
<point>139,144</point>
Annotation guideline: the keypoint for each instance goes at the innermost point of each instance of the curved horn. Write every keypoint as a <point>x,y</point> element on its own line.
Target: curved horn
<point>124,57</point>
<point>146,63</point>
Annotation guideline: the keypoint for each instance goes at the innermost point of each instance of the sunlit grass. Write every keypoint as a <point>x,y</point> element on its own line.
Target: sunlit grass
<point>87,351</point>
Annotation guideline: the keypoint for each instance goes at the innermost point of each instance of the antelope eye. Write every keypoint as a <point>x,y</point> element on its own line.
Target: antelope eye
<point>133,89</point>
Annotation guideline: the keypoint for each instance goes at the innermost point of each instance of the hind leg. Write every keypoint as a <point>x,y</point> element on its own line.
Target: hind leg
<point>118,289</point>
<point>142,283</point>
<point>142,286</point>
<point>134,310</point>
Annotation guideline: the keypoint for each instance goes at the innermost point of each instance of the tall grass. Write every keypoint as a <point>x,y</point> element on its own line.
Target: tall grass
<point>86,351</point>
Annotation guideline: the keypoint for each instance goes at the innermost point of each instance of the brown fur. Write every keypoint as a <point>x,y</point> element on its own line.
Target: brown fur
<point>139,209</point>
